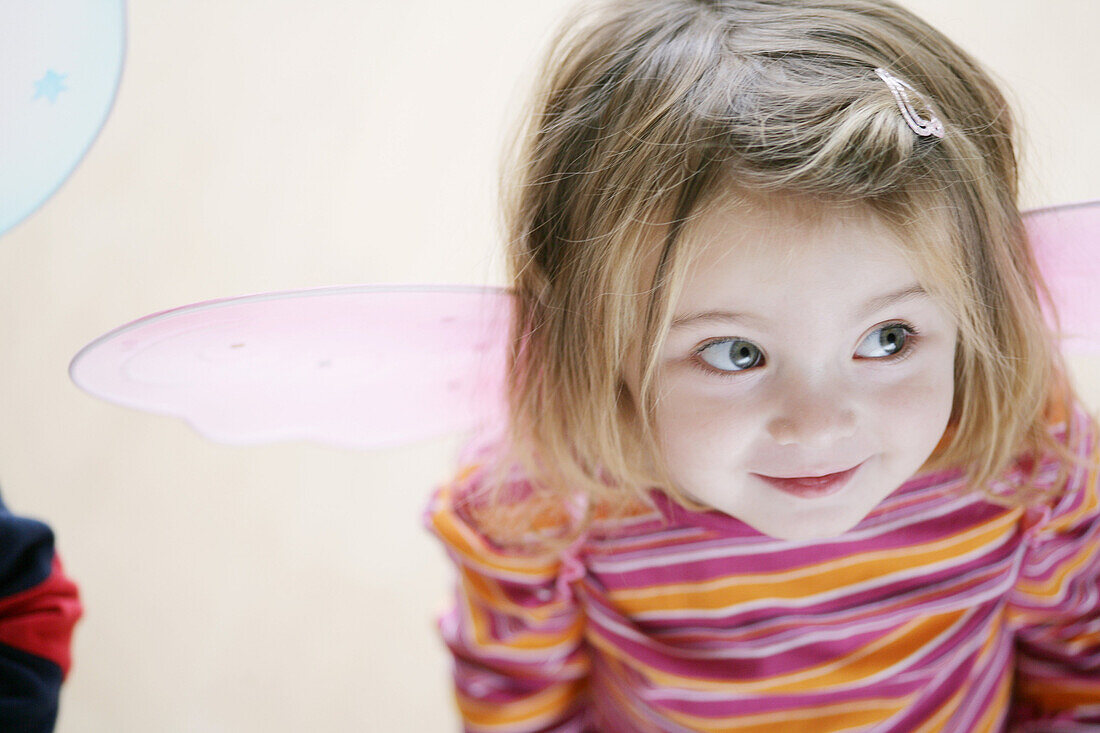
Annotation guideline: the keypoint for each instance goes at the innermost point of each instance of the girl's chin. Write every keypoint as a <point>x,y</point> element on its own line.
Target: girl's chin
<point>823,518</point>
<point>797,530</point>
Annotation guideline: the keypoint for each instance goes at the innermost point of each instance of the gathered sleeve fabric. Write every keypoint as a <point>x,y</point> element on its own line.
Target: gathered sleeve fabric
<point>516,630</point>
<point>1055,607</point>
<point>39,606</point>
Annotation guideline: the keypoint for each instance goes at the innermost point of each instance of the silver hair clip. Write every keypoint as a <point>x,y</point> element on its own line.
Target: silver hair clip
<point>902,90</point>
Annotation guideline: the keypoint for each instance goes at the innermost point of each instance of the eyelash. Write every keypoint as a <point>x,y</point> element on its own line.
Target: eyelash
<point>913,337</point>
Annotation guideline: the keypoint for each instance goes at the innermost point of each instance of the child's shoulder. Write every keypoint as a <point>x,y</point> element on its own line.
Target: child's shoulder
<point>490,508</point>
<point>1076,430</point>
<point>493,504</point>
<point>1079,432</point>
<point>1068,483</point>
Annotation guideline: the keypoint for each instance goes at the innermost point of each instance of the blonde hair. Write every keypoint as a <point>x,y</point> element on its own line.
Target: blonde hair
<point>649,112</point>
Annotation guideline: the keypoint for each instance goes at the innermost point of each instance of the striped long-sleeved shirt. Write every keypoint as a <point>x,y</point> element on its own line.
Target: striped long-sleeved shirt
<point>940,611</point>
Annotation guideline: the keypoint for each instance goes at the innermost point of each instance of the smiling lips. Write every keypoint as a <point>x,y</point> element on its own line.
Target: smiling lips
<point>812,486</point>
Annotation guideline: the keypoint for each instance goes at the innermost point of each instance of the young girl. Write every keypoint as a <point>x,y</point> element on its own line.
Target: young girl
<point>791,446</point>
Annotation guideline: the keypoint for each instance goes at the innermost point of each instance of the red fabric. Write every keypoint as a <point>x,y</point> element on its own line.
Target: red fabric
<point>40,620</point>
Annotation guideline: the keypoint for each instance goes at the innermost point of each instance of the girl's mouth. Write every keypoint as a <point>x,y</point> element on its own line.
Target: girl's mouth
<point>814,486</point>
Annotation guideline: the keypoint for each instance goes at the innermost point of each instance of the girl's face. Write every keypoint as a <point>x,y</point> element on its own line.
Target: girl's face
<point>800,349</point>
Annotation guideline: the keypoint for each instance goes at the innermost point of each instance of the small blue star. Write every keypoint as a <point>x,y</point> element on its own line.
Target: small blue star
<point>50,86</point>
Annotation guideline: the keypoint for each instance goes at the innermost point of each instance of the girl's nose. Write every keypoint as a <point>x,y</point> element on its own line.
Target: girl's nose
<point>819,419</point>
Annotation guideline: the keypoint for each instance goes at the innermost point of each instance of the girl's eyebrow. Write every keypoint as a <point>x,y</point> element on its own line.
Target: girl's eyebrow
<point>913,290</point>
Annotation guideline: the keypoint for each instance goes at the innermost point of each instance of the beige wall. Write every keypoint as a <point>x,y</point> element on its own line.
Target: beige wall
<point>266,145</point>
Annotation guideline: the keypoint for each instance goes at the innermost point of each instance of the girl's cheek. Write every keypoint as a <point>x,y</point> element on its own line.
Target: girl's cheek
<point>709,412</point>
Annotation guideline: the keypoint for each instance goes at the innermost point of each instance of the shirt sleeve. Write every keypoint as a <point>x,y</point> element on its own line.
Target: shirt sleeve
<point>39,606</point>
<point>515,630</point>
<point>1055,607</point>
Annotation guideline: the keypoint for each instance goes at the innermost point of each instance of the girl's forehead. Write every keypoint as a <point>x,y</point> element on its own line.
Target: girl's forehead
<point>773,257</point>
<point>768,245</point>
<point>784,229</point>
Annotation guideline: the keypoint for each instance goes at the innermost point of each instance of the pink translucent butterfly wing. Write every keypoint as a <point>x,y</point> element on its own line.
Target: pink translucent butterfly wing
<point>1066,240</point>
<point>356,366</point>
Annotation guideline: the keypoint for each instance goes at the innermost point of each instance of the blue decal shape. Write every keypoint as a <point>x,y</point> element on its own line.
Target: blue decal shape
<point>60,67</point>
<point>50,86</point>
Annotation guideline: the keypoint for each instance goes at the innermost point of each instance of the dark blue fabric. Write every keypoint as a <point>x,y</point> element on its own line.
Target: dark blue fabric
<point>29,685</point>
<point>29,691</point>
<point>26,552</point>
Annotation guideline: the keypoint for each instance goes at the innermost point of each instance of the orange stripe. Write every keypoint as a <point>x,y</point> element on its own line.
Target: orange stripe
<point>959,589</point>
<point>473,547</point>
<point>1055,585</point>
<point>530,712</point>
<point>1059,693</point>
<point>981,659</point>
<point>493,595</point>
<point>871,659</point>
<point>867,661</point>
<point>990,721</point>
<point>1088,507</point>
<point>811,580</point>
<point>527,640</point>
<point>841,716</point>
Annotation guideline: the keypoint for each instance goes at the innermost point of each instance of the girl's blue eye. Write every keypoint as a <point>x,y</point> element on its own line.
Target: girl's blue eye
<point>893,341</point>
<point>891,338</point>
<point>731,355</point>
